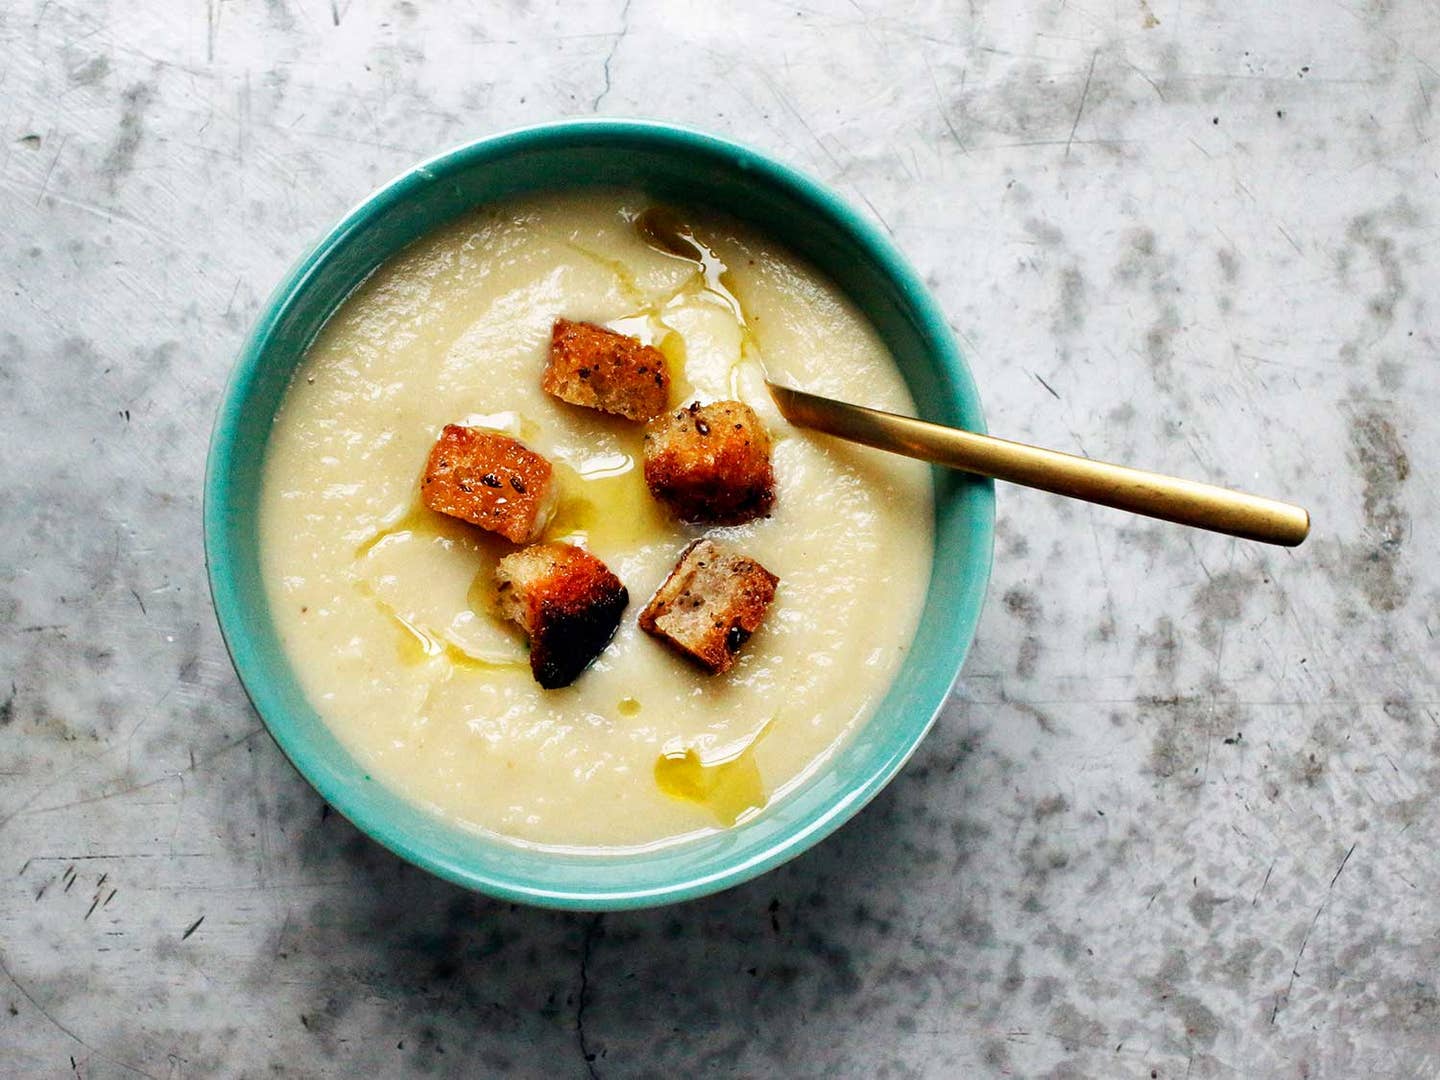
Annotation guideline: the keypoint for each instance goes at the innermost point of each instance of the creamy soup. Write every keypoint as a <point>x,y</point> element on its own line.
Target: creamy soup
<point>387,610</point>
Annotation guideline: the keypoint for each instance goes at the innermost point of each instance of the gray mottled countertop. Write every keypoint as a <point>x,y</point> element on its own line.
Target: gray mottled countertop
<point>1179,819</point>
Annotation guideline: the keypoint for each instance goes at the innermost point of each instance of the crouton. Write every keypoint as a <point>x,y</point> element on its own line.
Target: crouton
<point>710,604</point>
<point>710,464</point>
<point>569,603</point>
<point>487,479</point>
<point>605,370</point>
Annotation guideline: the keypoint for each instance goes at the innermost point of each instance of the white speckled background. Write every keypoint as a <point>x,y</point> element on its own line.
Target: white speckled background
<point>1179,819</point>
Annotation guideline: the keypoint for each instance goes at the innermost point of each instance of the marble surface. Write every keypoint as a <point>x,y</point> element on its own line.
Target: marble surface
<point>1177,821</point>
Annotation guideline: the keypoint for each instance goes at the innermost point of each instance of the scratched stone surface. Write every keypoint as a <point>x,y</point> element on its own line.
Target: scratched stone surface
<point>1178,819</point>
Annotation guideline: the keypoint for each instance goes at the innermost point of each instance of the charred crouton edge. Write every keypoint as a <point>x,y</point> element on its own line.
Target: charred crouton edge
<point>605,370</point>
<point>710,604</point>
<point>569,603</point>
<point>710,464</point>
<point>487,479</point>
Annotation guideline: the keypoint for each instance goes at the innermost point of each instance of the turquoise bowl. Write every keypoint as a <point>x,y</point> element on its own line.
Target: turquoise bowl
<point>681,167</point>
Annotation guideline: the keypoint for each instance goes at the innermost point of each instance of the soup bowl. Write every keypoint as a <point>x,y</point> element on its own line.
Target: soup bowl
<point>680,167</point>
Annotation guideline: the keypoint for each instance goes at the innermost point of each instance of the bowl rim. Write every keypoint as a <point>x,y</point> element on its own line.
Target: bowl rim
<point>231,613</point>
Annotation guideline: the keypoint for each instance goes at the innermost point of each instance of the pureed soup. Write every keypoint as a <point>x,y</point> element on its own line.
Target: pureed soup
<point>389,611</point>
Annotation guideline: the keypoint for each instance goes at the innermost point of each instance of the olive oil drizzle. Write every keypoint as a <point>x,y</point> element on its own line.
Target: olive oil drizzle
<point>664,231</point>
<point>729,786</point>
<point>418,645</point>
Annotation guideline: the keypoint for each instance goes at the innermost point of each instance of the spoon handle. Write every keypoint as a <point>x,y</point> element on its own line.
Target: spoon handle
<point>1169,498</point>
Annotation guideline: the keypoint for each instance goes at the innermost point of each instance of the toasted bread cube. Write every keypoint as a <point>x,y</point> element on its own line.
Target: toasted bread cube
<point>711,463</point>
<point>569,603</point>
<point>487,479</point>
<point>605,370</point>
<point>710,604</point>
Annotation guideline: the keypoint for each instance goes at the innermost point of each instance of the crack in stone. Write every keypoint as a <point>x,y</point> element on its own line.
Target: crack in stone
<point>614,48</point>
<point>592,931</point>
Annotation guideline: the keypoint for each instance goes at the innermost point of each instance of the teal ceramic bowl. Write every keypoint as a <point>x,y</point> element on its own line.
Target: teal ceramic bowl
<point>681,167</point>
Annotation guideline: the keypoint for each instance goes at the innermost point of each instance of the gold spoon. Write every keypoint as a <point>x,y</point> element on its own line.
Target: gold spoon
<point>1169,498</point>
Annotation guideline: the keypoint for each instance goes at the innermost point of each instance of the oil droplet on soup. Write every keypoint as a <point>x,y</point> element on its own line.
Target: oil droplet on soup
<point>730,789</point>
<point>604,504</point>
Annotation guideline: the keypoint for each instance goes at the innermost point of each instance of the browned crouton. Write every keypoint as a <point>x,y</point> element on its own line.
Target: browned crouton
<point>711,463</point>
<point>487,479</point>
<point>710,604</point>
<point>605,370</point>
<point>569,603</point>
